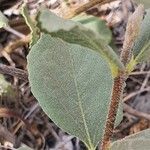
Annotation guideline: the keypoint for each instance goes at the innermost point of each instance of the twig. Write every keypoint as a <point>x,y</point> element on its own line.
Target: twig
<point>139,73</point>
<point>85,7</point>
<point>135,93</point>
<point>136,113</point>
<point>132,25</point>
<point>12,46</point>
<point>21,74</point>
<point>145,81</point>
<point>11,30</point>
<point>6,135</point>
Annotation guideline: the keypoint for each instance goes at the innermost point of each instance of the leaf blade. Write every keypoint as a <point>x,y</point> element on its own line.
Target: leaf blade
<point>72,76</point>
<point>141,47</point>
<point>74,32</point>
<point>136,141</point>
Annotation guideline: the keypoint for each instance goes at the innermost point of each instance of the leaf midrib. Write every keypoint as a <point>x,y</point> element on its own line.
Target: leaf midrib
<point>79,101</point>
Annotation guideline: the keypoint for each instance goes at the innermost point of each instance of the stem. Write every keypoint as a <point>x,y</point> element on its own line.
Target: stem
<point>21,74</point>
<point>132,30</point>
<point>113,107</point>
<point>87,6</point>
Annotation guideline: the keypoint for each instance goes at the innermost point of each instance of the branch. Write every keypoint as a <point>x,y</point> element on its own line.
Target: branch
<point>21,74</point>
<point>86,6</point>
<point>135,112</point>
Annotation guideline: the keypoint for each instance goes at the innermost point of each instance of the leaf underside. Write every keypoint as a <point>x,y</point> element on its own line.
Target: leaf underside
<point>74,32</point>
<point>146,3</point>
<point>136,141</point>
<point>73,86</point>
<point>141,49</point>
<point>95,24</point>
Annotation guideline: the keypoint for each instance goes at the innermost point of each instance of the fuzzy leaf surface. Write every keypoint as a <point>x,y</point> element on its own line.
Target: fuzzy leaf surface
<point>75,32</point>
<point>141,47</point>
<point>73,86</point>
<point>95,24</point>
<point>146,3</point>
<point>136,141</point>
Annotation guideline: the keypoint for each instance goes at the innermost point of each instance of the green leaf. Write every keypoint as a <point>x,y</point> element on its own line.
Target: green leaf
<point>4,85</point>
<point>141,49</point>
<point>35,35</point>
<point>119,116</point>
<point>73,86</point>
<point>3,20</point>
<point>95,24</point>
<point>74,32</point>
<point>136,141</point>
<point>24,148</point>
<point>145,2</point>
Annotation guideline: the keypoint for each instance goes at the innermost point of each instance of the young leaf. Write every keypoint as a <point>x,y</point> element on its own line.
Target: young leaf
<point>141,48</point>
<point>73,86</point>
<point>145,2</point>
<point>136,141</point>
<point>74,32</point>
<point>3,20</point>
<point>95,24</point>
<point>132,32</point>
<point>32,25</point>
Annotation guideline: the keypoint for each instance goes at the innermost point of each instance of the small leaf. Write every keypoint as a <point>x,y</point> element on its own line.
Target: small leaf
<point>74,32</point>
<point>24,147</point>
<point>136,141</point>
<point>4,85</point>
<point>31,24</point>
<point>131,34</point>
<point>141,48</point>
<point>3,20</point>
<point>145,2</point>
<point>73,86</point>
<point>95,24</point>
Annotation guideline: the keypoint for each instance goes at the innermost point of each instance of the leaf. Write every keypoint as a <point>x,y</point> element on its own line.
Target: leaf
<point>73,86</point>
<point>119,116</point>
<point>74,32</point>
<point>31,24</point>
<point>136,141</point>
<point>3,20</point>
<point>4,85</point>
<point>95,24</point>
<point>141,48</point>
<point>24,147</point>
<point>145,2</point>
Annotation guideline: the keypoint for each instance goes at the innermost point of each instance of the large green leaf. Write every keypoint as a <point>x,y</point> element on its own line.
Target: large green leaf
<point>141,48</point>
<point>145,2</point>
<point>74,32</point>
<point>73,86</point>
<point>95,24</point>
<point>3,20</point>
<point>137,141</point>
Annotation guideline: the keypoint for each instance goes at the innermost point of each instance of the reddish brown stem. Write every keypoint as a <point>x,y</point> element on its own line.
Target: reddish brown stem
<point>116,94</point>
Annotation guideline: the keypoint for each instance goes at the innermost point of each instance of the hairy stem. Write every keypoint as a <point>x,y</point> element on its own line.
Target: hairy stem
<point>116,95</point>
<point>132,30</point>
